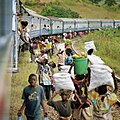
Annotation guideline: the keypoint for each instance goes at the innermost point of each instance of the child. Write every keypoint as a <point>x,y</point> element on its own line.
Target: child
<point>63,107</point>
<point>33,95</point>
<point>60,55</point>
<point>102,101</point>
<point>82,109</point>
<point>69,59</point>
<point>44,72</point>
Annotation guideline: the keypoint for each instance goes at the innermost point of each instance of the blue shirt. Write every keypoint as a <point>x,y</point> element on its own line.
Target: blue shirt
<point>68,60</point>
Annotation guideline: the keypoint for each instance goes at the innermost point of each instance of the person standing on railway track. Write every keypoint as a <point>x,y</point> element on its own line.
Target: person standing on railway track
<point>33,96</point>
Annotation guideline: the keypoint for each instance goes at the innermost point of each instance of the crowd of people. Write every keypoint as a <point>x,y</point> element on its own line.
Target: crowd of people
<point>87,101</point>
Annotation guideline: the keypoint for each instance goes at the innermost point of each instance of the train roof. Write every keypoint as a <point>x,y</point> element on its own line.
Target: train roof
<point>67,19</point>
<point>93,19</point>
<point>117,20</point>
<point>80,19</point>
<point>106,19</point>
<point>54,18</point>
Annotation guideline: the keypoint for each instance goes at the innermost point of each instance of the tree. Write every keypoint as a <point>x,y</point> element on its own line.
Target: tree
<point>110,2</point>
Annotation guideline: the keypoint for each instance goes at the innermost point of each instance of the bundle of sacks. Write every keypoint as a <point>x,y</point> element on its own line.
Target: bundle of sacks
<point>100,75</point>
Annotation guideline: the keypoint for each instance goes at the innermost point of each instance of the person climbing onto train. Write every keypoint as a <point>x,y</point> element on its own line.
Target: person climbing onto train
<point>24,24</point>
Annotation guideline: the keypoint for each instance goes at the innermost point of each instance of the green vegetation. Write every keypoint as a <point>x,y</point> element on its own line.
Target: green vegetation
<point>58,11</point>
<point>84,8</point>
<point>108,46</point>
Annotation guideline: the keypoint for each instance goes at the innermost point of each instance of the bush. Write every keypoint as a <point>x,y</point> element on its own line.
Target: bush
<point>58,11</point>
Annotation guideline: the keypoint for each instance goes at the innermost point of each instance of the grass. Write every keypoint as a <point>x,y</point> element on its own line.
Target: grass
<point>84,9</point>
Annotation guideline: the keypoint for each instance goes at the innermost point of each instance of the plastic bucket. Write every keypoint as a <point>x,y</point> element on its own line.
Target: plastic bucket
<point>80,66</point>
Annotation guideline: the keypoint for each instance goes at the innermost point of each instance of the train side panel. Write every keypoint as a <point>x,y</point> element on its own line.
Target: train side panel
<point>68,25</point>
<point>117,23</point>
<point>80,25</point>
<point>56,26</point>
<point>35,27</point>
<point>94,24</point>
<point>107,23</point>
<point>45,27</point>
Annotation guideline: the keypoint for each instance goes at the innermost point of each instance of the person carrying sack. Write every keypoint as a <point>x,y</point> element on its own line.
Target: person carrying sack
<point>63,107</point>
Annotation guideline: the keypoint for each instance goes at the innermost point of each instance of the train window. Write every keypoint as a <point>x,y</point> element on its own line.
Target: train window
<point>44,25</point>
<point>32,25</point>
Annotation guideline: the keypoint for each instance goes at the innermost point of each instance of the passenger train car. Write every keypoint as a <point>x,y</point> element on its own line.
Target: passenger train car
<point>41,25</point>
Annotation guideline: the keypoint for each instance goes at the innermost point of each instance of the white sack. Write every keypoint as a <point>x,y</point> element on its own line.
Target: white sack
<point>63,81</point>
<point>95,59</point>
<point>89,45</point>
<point>100,75</point>
<point>65,69</point>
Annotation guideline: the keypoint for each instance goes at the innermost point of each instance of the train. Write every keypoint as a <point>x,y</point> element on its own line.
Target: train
<point>46,26</point>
